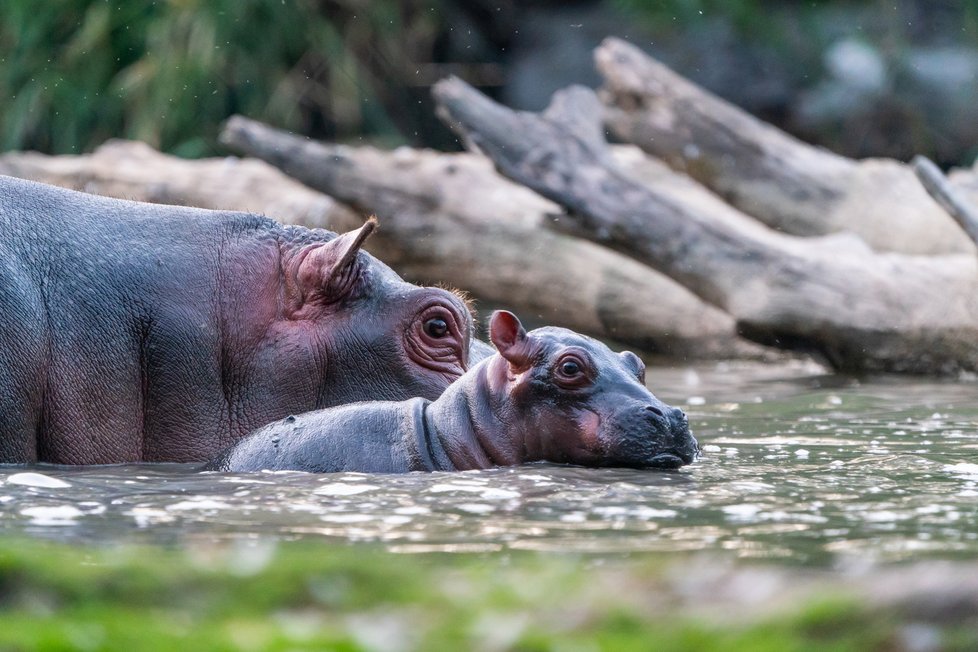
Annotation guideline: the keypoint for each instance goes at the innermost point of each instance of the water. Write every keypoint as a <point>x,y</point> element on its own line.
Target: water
<point>798,467</point>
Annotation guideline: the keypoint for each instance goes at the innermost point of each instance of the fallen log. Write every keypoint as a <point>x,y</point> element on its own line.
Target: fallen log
<point>452,218</point>
<point>779,180</point>
<point>134,170</point>
<point>450,234</point>
<point>863,311</point>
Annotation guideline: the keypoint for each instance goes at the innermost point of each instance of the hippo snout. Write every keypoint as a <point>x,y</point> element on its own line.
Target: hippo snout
<point>675,416</point>
<point>648,435</point>
<point>669,444</point>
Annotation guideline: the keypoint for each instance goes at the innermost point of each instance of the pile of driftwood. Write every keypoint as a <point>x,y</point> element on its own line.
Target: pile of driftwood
<point>707,233</point>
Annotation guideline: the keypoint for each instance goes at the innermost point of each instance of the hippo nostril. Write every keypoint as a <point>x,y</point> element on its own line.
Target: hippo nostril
<point>678,415</point>
<point>654,410</point>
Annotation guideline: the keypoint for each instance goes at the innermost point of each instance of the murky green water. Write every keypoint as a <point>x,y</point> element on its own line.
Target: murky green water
<point>797,467</point>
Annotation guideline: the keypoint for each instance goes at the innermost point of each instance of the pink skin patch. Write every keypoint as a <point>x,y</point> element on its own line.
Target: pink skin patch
<point>588,425</point>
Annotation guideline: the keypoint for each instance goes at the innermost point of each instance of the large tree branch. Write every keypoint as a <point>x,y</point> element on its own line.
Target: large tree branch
<point>787,184</point>
<point>862,310</point>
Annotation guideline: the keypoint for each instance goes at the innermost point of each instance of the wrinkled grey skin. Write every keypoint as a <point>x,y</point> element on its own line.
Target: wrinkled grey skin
<point>137,332</point>
<point>517,406</point>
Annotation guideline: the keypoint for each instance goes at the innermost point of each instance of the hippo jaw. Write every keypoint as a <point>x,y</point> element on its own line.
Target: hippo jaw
<point>673,460</point>
<point>664,460</point>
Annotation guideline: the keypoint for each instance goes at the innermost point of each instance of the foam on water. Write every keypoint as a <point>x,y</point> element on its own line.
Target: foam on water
<point>38,480</point>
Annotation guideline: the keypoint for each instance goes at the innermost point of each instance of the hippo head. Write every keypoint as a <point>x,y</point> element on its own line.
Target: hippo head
<point>574,400</point>
<point>370,334</point>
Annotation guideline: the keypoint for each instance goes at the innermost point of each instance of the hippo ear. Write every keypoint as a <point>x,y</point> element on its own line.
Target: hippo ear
<point>634,364</point>
<point>323,269</point>
<point>510,339</point>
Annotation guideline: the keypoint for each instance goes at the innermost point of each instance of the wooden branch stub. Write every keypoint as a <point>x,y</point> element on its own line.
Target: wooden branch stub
<point>515,141</point>
<point>326,168</point>
<point>937,185</point>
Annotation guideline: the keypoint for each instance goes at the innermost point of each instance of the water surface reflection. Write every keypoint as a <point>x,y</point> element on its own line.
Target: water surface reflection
<point>796,466</point>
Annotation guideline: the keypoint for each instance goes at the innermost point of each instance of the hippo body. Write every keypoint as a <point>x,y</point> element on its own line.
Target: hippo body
<point>548,395</point>
<point>138,332</point>
<point>371,437</point>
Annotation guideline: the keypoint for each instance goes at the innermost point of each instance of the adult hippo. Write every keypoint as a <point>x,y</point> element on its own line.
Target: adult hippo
<point>550,394</point>
<point>138,332</point>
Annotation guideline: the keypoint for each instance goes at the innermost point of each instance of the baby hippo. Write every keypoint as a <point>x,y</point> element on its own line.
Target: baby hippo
<point>548,395</point>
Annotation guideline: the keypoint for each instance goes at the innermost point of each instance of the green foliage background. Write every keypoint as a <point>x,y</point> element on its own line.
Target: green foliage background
<point>76,72</point>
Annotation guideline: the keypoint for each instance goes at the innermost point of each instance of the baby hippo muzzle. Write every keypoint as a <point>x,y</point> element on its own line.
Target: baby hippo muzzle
<point>674,445</point>
<point>635,429</point>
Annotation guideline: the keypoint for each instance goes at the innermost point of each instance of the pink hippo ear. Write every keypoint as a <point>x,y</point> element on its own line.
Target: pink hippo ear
<point>507,335</point>
<point>324,270</point>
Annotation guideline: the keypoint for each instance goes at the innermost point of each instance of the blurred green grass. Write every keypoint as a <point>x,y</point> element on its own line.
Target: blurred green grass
<point>76,72</point>
<point>308,596</point>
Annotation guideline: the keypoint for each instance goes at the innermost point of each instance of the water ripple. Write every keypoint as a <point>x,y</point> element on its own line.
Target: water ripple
<point>796,467</point>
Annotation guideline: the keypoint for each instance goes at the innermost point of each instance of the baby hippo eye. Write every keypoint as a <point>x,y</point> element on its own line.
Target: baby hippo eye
<point>571,372</point>
<point>436,327</point>
<point>570,368</point>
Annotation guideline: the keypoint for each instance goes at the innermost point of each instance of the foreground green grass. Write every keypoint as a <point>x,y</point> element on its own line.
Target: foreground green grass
<point>316,597</point>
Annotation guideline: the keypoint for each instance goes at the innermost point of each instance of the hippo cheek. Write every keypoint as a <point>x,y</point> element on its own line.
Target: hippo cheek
<point>444,356</point>
<point>588,443</point>
<point>566,438</point>
<point>439,371</point>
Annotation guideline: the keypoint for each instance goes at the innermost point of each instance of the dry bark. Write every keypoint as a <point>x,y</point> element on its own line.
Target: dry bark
<point>134,170</point>
<point>783,182</point>
<point>448,218</point>
<point>862,310</point>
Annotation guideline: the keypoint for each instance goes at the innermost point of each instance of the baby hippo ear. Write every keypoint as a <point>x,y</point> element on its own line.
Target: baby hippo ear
<point>507,335</point>
<point>634,364</point>
<point>322,271</point>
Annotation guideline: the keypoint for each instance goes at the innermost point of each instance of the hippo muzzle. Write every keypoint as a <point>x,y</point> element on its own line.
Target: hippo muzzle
<point>649,436</point>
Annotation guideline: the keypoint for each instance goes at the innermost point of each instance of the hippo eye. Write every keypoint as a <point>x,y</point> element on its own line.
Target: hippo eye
<point>436,337</point>
<point>571,372</point>
<point>436,327</point>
